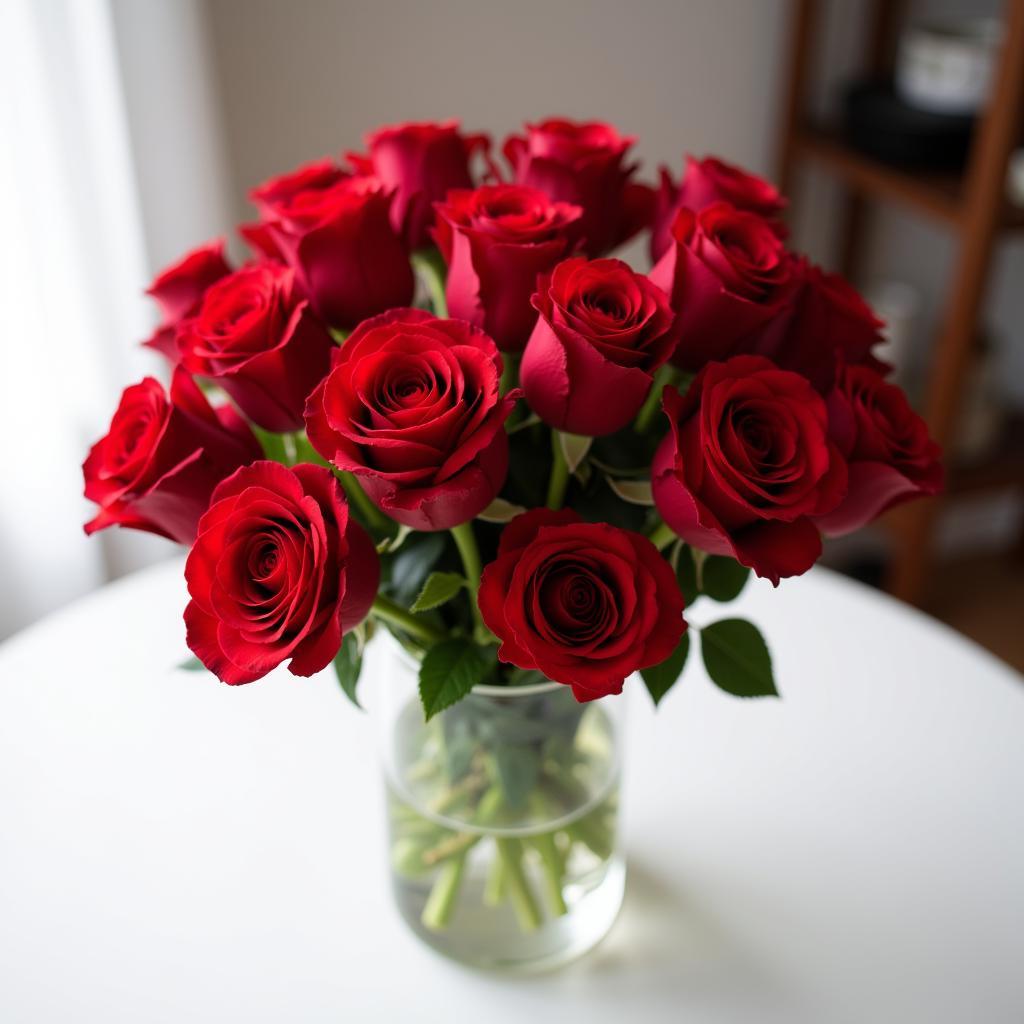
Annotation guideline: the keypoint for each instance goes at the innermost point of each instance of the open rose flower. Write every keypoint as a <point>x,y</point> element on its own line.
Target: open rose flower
<point>585,603</point>
<point>420,162</point>
<point>412,407</point>
<point>749,467</point>
<point>179,289</point>
<point>161,459</point>
<point>603,332</point>
<point>334,229</point>
<point>891,458</point>
<point>257,338</point>
<point>583,163</point>
<point>496,240</point>
<point>729,277</point>
<point>278,571</point>
<point>704,183</point>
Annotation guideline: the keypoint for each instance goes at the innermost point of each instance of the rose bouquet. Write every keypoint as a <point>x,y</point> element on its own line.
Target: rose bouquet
<point>430,402</point>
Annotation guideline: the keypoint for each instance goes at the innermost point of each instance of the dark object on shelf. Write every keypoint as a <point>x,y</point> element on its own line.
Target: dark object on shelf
<point>877,122</point>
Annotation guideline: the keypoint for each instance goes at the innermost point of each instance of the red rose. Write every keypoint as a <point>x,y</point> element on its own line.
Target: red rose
<point>179,289</point>
<point>828,325</point>
<point>420,162</point>
<point>412,407</point>
<point>587,604</point>
<point>704,183</point>
<point>886,445</point>
<point>496,241</point>
<point>748,466</point>
<point>602,334</point>
<point>259,341</point>
<point>161,459</point>
<point>583,163</point>
<point>334,230</point>
<point>278,571</point>
<point>728,276</point>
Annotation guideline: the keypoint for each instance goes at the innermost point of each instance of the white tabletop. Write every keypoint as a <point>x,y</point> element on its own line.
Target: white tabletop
<point>172,849</point>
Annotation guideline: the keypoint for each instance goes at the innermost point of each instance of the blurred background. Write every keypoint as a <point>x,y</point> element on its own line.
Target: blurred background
<point>134,128</point>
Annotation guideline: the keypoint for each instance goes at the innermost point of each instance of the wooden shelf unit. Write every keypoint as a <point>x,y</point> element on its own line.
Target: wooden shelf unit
<point>971,205</point>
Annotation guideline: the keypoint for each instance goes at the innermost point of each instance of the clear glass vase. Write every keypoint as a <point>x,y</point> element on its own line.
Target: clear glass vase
<point>503,820</point>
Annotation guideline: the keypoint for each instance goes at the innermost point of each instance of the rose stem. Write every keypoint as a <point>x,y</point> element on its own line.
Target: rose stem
<point>510,371</point>
<point>559,474</point>
<point>437,911</point>
<point>494,889</point>
<point>511,853</point>
<point>373,515</point>
<point>668,374</point>
<point>544,844</point>
<point>430,266</point>
<point>465,541</point>
<point>661,536</point>
<point>386,609</point>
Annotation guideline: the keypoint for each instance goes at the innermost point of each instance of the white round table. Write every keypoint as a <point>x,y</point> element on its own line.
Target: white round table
<point>172,849</point>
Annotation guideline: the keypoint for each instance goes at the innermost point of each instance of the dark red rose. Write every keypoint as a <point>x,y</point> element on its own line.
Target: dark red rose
<point>278,571</point>
<point>334,229</point>
<point>179,289</point>
<point>256,337</point>
<point>584,163</point>
<point>161,459</point>
<point>828,325</point>
<point>587,604</point>
<point>420,163</point>
<point>496,241</point>
<point>886,445</point>
<point>704,183</point>
<point>412,407</point>
<point>603,332</point>
<point>748,466</point>
<point>728,277</point>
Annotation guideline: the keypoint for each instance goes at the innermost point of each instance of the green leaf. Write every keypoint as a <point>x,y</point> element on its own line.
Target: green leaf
<point>500,511</point>
<point>448,672</point>
<point>659,679</point>
<point>737,658</point>
<point>686,572</point>
<point>348,663</point>
<point>440,587</point>
<point>272,444</point>
<point>636,492</point>
<point>411,565</point>
<point>192,664</point>
<point>723,578</point>
<point>574,448</point>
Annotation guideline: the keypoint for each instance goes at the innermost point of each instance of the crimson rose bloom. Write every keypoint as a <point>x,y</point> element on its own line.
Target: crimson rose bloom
<point>748,466</point>
<point>278,571</point>
<point>330,227</point>
<point>706,182</point>
<point>886,445</point>
<point>161,459</point>
<point>496,240</point>
<point>603,332</point>
<point>256,337</point>
<point>728,276</point>
<point>412,407</point>
<point>420,162</point>
<point>583,163</point>
<point>585,603</point>
<point>179,289</point>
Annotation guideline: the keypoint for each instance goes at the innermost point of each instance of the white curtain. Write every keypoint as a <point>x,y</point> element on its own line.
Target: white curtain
<point>75,255</point>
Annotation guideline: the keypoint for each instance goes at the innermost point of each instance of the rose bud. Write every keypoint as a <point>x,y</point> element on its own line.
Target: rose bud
<point>704,183</point>
<point>496,241</point>
<point>748,466</point>
<point>278,571</point>
<point>890,456</point>
<point>161,459</point>
<point>179,289</point>
<point>602,334</point>
<point>587,604</point>
<point>728,277</point>
<point>259,341</point>
<point>583,163</point>
<point>412,407</point>
<point>420,163</point>
<point>829,325</point>
<point>330,227</point>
